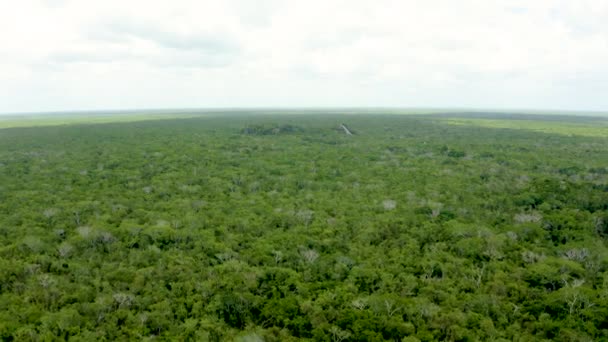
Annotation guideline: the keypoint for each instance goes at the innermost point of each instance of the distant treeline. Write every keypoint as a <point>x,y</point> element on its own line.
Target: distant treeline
<point>270,129</point>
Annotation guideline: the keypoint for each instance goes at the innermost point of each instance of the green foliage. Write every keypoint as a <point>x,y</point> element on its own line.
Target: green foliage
<point>273,129</point>
<point>280,228</point>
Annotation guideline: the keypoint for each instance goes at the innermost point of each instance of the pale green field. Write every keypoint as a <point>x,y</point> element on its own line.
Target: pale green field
<point>56,120</point>
<point>596,128</point>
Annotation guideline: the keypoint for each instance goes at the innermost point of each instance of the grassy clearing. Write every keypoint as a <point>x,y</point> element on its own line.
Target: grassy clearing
<point>590,128</point>
<point>39,120</point>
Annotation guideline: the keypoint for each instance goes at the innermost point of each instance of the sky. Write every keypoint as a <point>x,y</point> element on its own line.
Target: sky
<point>62,55</point>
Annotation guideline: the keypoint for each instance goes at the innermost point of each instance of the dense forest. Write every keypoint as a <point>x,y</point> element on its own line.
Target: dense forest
<point>281,228</point>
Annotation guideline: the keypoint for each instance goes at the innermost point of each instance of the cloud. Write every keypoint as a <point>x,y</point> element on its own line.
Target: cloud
<point>125,30</point>
<point>120,40</point>
<point>238,53</point>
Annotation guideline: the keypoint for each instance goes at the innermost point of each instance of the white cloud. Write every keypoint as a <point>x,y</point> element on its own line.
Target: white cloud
<point>68,54</point>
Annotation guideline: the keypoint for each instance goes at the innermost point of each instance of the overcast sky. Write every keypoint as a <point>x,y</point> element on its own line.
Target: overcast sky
<point>115,54</point>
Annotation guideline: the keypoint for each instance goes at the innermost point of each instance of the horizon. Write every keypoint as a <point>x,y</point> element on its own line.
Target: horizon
<point>273,110</point>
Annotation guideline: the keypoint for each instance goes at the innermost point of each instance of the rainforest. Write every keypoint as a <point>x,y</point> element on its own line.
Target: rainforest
<point>314,226</point>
